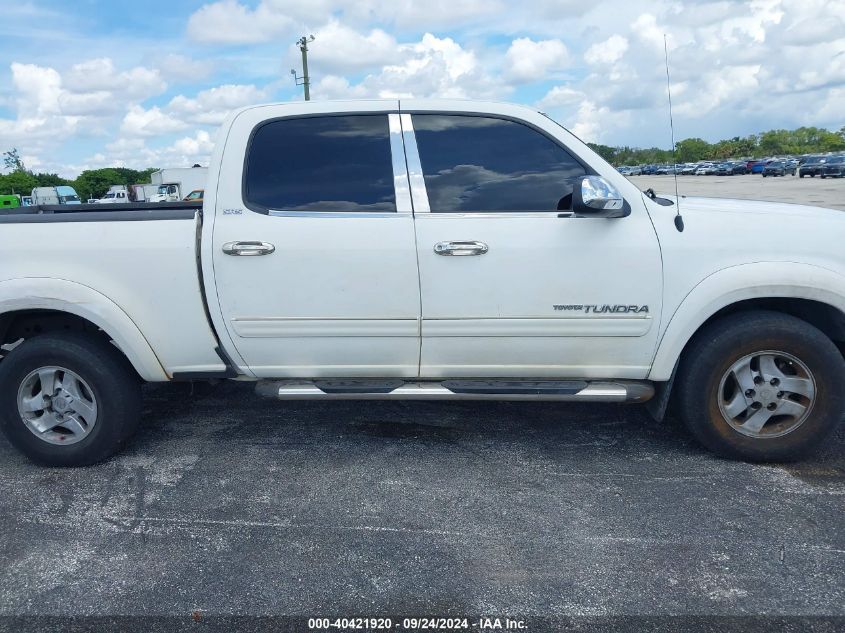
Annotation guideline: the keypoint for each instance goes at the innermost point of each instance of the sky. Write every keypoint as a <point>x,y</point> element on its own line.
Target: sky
<point>88,83</point>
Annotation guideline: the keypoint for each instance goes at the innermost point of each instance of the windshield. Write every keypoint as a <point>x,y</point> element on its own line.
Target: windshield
<point>66,199</point>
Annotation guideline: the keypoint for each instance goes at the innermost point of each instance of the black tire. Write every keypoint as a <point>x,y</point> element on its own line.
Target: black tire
<point>719,345</point>
<point>800,175</point>
<point>115,386</point>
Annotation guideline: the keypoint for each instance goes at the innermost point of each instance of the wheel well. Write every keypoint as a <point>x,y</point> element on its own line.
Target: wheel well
<point>24,324</point>
<point>826,318</point>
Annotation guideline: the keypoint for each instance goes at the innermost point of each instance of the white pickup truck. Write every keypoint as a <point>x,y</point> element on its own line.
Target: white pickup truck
<point>423,249</point>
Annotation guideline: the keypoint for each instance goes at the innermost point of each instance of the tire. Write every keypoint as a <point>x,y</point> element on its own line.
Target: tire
<point>106,388</point>
<point>704,380</point>
<point>800,175</point>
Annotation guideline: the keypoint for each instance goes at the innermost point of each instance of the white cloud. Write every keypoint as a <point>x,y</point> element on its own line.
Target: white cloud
<point>100,75</point>
<point>609,51</point>
<point>211,106</point>
<point>527,60</point>
<point>343,48</point>
<point>150,122</point>
<point>230,22</point>
<point>431,67</point>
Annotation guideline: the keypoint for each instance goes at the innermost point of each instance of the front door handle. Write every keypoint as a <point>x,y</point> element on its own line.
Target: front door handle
<point>248,249</point>
<point>460,249</point>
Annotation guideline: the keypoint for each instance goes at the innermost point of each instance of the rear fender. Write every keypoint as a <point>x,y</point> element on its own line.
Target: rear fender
<point>37,293</point>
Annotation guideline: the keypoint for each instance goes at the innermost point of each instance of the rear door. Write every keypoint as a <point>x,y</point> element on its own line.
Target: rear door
<point>512,284</point>
<point>313,243</point>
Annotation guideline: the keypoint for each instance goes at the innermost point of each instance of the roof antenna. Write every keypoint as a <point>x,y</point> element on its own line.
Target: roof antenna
<point>679,219</point>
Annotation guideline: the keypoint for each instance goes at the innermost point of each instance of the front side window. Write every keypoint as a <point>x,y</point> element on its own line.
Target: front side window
<point>328,163</point>
<point>476,163</point>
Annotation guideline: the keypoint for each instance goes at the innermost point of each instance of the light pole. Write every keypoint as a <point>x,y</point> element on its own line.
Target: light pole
<point>304,80</point>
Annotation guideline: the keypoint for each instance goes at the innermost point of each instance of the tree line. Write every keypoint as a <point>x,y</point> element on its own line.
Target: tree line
<point>804,140</point>
<point>91,183</point>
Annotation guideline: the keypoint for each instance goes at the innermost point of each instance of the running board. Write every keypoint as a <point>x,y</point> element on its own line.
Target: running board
<point>536,390</point>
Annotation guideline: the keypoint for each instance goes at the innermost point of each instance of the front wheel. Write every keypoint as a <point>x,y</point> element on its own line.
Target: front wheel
<point>761,386</point>
<point>68,399</point>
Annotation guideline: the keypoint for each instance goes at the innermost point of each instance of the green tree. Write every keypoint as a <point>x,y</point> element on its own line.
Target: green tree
<point>20,182</point>
<point>691,150</point>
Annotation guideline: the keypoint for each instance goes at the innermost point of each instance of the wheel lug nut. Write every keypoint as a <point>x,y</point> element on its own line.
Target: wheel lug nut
<point>775,382</point>
<point>780,394</point>
<point>758,380</point>
<point>750,393</point>
<point>772,406</point>
<point>756,405</point>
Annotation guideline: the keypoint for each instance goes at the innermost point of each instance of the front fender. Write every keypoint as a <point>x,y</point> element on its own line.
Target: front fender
<point>739,283</point>
<point>37,293</point>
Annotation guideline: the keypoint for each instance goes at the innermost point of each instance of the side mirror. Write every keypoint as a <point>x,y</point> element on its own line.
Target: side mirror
<point>597,198</point>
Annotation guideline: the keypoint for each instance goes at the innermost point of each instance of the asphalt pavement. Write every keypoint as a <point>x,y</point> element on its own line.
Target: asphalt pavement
<point>227,504</point>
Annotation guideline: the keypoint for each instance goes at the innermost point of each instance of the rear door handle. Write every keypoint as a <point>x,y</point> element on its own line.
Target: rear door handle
<point>248,249</point>
<point>460,249</point>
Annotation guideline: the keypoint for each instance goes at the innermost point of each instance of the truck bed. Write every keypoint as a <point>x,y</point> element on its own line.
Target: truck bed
<point>140,257</point>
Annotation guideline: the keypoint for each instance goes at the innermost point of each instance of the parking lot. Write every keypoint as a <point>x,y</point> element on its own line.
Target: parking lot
<point>829,192</point>
<point>230,505</point>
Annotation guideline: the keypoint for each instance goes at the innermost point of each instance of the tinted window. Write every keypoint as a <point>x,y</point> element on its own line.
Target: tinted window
<point>475,163</point>
<point>331,163</point>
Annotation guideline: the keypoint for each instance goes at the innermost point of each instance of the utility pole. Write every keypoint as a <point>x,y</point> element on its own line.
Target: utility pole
<point>305,79</point>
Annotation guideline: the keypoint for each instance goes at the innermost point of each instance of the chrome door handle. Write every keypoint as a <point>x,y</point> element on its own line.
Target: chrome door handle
<point>248,249</point>
<point>460,249</point>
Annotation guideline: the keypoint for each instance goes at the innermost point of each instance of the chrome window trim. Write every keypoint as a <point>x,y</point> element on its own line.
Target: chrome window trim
<point>419,195</point>
<point>338,214</point>
<point>401,182</point>
<point>488,215</point>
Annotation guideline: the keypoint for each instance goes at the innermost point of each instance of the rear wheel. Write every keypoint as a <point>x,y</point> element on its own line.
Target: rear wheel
<point>68,399</point>
<point>761,386</point>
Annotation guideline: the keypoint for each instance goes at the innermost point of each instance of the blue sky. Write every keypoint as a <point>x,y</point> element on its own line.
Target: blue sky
<point>90,84</point>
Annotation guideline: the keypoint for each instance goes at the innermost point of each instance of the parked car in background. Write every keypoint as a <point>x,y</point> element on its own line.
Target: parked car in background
<point>834,168</point>
<point>649,170</point>
<point>776,168</point>
<point>812,166</point>
<point>688,169</point>
<point>757,166</point>
<point>706,169</point>
<point>738,168</point>
<point>724,169</point>
<point>195,196</point>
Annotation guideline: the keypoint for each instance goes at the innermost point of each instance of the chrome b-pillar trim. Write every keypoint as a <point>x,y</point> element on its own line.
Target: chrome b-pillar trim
<point>400,171</point>
<point>419,195</point>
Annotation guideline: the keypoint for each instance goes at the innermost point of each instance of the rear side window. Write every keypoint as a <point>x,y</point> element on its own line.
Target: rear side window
<point>330,163</point>
<point>475,163</point>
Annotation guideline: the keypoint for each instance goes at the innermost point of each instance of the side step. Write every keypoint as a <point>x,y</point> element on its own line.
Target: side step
<point>536,390</point>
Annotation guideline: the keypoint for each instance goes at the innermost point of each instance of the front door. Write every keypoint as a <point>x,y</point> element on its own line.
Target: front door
<point>313,249</point>
<point>512,285</point>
